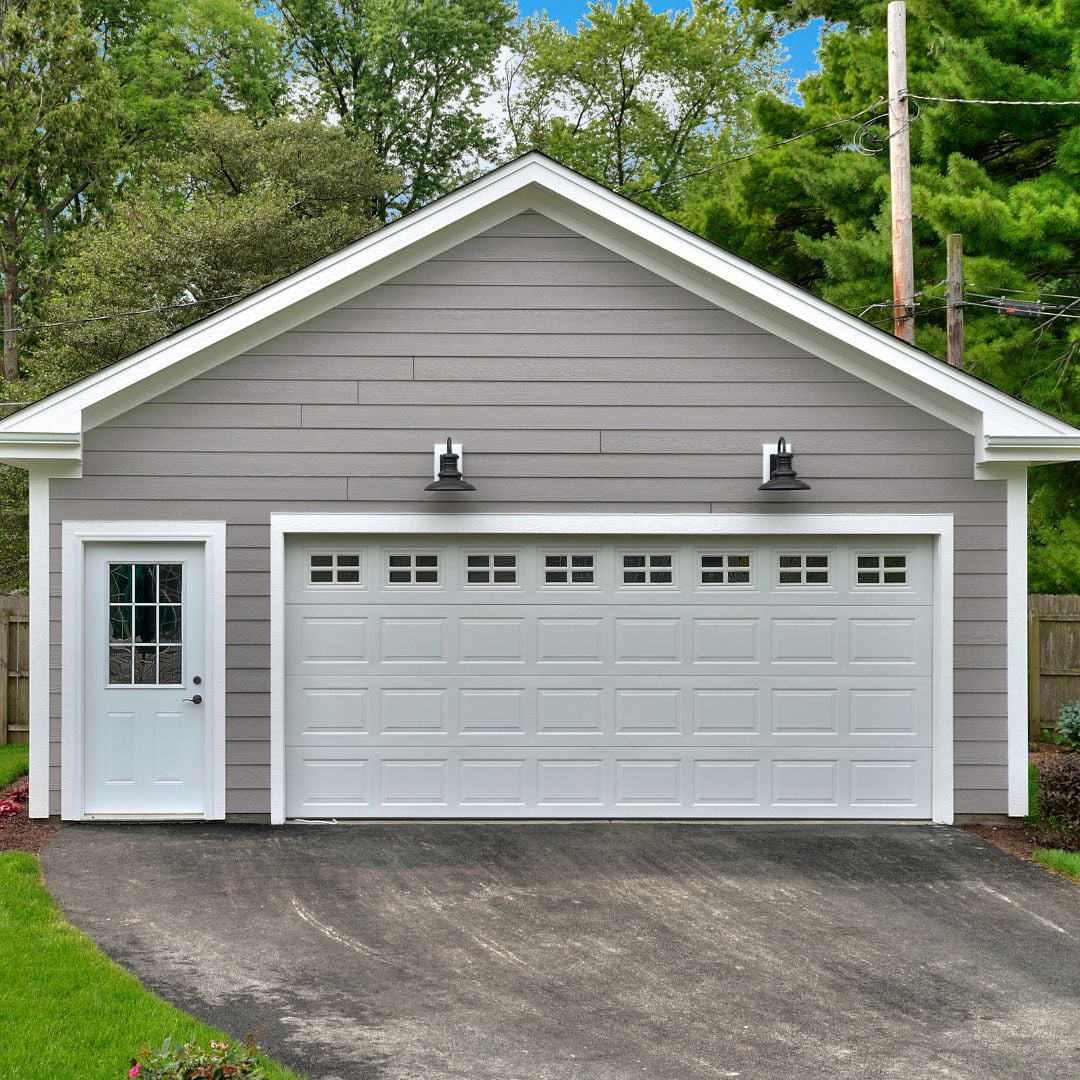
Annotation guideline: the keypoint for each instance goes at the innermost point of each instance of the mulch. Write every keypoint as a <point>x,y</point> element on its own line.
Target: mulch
<point>18,832</point>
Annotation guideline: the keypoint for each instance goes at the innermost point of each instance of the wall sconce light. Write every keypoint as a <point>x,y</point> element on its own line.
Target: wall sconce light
<point>450,478</point>
<point>782,477</point>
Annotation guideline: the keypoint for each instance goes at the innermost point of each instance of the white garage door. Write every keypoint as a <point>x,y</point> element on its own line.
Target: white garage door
<point>606,677</point>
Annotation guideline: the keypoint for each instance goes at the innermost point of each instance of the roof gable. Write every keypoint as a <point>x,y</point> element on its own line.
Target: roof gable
<point>1005,428</point>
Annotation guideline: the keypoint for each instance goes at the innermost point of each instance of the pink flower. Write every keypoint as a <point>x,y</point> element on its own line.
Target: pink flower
<point>134,1070</point>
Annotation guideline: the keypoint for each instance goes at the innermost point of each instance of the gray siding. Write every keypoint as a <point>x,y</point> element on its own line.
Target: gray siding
<point>578,382</point>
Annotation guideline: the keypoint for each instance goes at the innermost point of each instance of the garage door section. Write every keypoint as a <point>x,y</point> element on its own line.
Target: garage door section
<point>607,677</point>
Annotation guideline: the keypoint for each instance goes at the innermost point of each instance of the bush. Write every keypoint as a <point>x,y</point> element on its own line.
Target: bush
<point>1058,807</point>
<point>222,1061</point>
<point>1067,732</point>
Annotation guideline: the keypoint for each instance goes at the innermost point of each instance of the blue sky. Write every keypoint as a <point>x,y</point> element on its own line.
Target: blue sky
<point>800,43</point>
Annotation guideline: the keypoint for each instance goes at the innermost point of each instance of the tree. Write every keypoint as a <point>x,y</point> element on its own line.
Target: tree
<point>244,206</point>
<point>817,212</point>
<point>408,74</point>
<point>175,58</point>
<point>59,148</point>
<point>637,99</point>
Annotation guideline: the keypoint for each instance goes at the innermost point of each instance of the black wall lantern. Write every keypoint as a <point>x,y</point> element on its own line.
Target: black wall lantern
<point>450,478</point>
<point>782,477</point>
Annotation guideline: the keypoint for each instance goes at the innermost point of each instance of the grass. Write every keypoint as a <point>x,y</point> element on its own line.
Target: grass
<point>1064,862</point>
<point>67,1010</point>
<point>14,761</point>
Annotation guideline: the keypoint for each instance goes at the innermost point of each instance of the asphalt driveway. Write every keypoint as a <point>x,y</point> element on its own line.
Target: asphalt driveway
<point>599,951</point>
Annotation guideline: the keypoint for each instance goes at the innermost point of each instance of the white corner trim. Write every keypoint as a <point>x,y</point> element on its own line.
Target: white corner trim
<point>1016,529</point>
<point>75,535</point>
<point>938,526</point>
<point>39,643</point>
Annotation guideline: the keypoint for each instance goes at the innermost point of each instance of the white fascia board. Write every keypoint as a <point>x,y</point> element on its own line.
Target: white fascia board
<point>536,182</point>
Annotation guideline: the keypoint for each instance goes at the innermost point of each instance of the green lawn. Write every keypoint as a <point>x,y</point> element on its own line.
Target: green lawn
<point>1064,862</point>
<point>67,1010</point>
<point>14,761</point>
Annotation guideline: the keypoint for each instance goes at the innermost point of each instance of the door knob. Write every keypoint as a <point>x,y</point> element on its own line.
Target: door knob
<point>196,700</point>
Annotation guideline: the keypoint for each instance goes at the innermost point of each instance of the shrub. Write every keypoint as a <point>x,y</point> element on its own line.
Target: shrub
<point>221,1061</point>
<point>1067,732</point>
<point>1058,807</point>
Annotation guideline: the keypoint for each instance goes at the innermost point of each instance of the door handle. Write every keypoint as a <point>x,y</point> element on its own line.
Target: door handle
<point>196,700</point>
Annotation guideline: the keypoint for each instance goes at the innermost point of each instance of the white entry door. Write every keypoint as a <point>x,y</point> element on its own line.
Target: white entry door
<point>145,698</point>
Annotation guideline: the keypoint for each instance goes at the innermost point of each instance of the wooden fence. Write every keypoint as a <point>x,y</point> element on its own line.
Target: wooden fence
<point>1053,658</point>
<point>14,669</point>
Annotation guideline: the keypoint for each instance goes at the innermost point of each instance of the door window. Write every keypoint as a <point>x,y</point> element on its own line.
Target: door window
<point>146,624</point>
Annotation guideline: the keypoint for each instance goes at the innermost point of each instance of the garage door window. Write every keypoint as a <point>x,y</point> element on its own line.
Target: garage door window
<point>409,568</point>
<point>803,569</point>
<point>881,569</point>
<point>491,568</point>
<point>648,568</point>
<point>569,568</point>
<point>334,568</point>
<point>724,568</point>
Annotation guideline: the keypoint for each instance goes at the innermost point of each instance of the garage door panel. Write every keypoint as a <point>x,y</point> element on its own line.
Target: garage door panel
<point>604,781</point>
<point>650,693</point>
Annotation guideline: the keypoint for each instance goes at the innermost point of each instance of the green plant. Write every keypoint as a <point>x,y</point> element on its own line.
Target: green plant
<point>1058,803</point>
<point>219,1061</point>
<point>1067,732</point>
<point>1064,862</point>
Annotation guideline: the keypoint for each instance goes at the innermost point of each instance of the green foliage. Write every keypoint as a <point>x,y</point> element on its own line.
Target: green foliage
<point>14,762</point>
<point>69,1010</point>
<point>243,207</point>
<point>59,149</point>
<point>1058,808</point>
<point>1064,862</point>
<point>408,74</point>
<point>218,1061</point>
<point>1067,731</point>
<point>636,98</point>
<point>1005,176</point>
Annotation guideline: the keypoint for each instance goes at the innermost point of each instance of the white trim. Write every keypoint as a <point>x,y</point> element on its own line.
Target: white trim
<point>1016,503</point>
<point>536,182</point>
<point>39,643</point>
<point>938,526</point>
<point>75,535</point>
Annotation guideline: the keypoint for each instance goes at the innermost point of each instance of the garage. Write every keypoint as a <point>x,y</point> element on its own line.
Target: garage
<point>605,676</point>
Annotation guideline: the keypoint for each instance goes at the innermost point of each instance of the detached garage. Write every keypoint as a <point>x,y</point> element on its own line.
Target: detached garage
<point>701,546</point>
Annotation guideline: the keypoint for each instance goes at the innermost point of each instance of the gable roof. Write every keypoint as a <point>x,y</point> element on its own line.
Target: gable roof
<point>1005,428</point>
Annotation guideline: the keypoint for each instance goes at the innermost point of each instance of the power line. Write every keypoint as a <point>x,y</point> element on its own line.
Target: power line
<point>974,290</point>
<point>982,101</point>
<point>122,314</point>
<point>754,153</point>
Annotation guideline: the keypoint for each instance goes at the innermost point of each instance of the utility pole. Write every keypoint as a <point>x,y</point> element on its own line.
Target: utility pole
<point>954,297</point>
<point>900,176</point>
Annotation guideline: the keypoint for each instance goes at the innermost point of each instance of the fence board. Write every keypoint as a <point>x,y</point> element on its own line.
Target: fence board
<point>14,669</point>
<point>1053,658</point>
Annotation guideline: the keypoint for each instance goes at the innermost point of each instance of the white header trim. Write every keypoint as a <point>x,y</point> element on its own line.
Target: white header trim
<point>939,526</point>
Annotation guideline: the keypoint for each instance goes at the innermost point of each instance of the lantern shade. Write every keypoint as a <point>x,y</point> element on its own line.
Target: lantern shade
<point>782,477</point>
<point>450,478</point>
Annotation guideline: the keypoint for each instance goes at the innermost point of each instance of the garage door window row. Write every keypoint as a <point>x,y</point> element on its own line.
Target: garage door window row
<point>636,569</point>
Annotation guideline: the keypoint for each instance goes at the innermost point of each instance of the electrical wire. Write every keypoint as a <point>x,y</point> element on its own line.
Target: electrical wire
<point>974,290</point>
<point>997,307</point>
<point>122,314</point>
<point>980,101</point>
<point>754,153</point>
<point>911,315</point>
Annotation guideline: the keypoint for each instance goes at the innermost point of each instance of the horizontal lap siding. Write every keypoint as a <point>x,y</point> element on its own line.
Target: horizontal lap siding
<point>578,383</point>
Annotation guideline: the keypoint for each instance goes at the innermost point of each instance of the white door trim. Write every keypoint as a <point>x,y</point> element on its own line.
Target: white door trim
<point>75,535</point>
<point>939,526</point>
